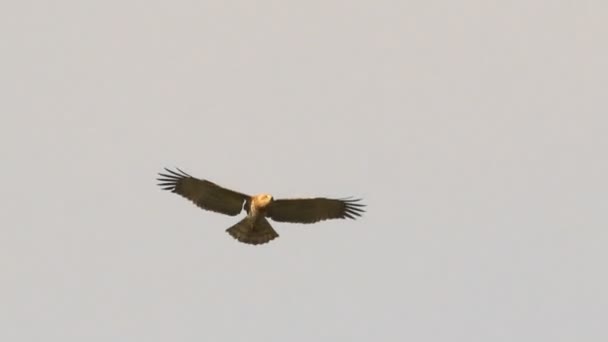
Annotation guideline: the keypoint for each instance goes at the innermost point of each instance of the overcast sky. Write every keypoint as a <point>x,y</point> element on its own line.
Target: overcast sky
<point>475,131</point>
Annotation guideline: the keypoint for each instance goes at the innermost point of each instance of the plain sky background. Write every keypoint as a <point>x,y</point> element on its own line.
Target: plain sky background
<point>475,131</point>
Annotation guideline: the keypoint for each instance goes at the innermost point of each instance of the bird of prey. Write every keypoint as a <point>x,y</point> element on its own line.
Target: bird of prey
<point>255,229</point>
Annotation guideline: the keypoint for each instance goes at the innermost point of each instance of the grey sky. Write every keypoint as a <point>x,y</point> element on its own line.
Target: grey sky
<point>474,130</point>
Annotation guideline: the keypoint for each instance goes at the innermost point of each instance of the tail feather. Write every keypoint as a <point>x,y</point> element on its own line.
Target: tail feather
<point>253,232</point>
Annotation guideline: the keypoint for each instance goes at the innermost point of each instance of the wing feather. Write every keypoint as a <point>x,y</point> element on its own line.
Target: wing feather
<point>203,193</point>
<point>311,210</point>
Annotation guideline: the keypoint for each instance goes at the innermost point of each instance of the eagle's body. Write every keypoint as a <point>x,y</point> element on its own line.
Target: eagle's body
<point>254,228</point>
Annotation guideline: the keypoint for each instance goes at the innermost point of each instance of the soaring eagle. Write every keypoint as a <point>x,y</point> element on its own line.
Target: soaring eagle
<point>255,229</point>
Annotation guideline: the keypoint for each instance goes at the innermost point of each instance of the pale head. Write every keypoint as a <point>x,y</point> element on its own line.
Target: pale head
<point>262,200</point>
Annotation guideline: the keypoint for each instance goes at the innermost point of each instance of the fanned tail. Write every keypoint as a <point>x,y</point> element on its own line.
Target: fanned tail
<point>253,231</point>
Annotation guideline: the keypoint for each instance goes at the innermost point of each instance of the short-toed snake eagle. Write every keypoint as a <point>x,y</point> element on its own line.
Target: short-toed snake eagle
<point>254,228</point>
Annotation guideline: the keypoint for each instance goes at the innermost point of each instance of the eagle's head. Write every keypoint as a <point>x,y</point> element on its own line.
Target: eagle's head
<point>261,201</point>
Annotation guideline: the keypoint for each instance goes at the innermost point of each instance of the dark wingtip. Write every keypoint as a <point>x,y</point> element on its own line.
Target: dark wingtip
<point>182,172</point>
<point>168,181</point>
<point>352,207</point>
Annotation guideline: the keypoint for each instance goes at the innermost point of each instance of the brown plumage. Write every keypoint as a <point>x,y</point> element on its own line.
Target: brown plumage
<point>254,228</point>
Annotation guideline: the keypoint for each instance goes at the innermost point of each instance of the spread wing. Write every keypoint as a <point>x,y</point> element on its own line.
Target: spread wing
<point>311,210</point>
<point>203,193</point>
